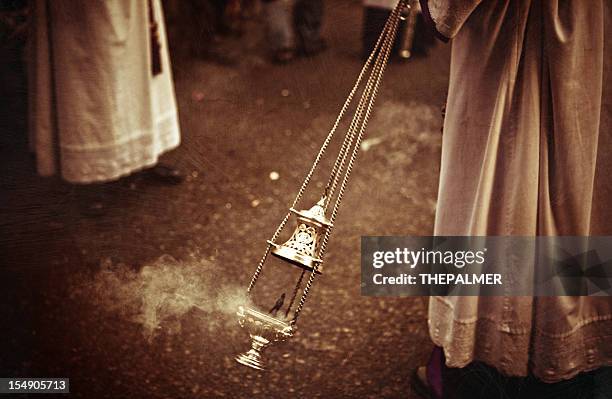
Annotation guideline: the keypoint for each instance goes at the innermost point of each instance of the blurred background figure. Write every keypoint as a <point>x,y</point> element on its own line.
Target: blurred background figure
<point>294,28</point>
<point>414,36</point>
<point>209,21</point>
<point>101,96</point>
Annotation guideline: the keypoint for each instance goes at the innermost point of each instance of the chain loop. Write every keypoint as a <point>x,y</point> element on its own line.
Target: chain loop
<point>360,120</point>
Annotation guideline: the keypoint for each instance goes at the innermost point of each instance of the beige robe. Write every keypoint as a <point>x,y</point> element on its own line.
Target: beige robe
<point>526,145</point>
<point>96,111</point>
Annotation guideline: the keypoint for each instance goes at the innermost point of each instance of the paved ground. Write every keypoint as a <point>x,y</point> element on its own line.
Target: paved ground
<point>141,302</point>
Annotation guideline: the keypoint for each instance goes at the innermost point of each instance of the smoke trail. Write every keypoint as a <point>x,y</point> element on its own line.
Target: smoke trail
<point>161,293</point>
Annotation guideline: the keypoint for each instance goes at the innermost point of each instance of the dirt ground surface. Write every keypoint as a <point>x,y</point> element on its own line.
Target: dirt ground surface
<point>140,302</point>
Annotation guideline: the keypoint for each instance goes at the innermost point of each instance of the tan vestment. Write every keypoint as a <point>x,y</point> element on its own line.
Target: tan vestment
<point>526,151</point>
<point>96,111</point>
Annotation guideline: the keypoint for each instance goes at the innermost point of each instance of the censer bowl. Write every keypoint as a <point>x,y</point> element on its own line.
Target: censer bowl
<point>263,330</point>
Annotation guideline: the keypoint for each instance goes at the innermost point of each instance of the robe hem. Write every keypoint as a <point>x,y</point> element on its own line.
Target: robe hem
<point>119,161</point>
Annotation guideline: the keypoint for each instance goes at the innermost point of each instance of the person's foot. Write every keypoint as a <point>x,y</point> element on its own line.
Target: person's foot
<point>310,49</point>
<point>283,56</point>
<point>166,174</point>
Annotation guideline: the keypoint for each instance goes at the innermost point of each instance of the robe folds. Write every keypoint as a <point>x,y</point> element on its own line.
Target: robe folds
<point>526,144</point>
<point>96,110</point>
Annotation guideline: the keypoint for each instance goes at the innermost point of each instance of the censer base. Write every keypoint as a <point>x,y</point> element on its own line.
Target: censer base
<point>263,330</point>
<point>252,359</point>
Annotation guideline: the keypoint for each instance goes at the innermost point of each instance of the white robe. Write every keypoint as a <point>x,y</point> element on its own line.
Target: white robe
<point>525,151</point>
<point>96,111</point>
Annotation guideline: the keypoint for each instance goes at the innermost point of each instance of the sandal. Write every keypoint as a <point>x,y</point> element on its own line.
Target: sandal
<point>166,174</point>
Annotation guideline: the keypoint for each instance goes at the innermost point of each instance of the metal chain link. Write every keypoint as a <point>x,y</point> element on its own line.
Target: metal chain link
<point>357,118</point>
<point>345,142</point>
<point>341,160</point>
<point>370,96</point>
<point>320,154</point>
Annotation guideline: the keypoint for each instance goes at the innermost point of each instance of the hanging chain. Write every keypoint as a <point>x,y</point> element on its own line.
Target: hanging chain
<point>369,94</point>
<point>350,136</point>
<point>389,30</point>
<point>295,292</point>
<point>347,138</point>
<point>346,145</point>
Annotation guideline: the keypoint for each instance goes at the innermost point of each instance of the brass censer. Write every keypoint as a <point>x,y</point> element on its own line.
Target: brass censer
<point>306,247</point>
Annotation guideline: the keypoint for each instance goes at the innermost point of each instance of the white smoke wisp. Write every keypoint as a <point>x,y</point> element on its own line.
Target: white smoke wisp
<point>162,293</point>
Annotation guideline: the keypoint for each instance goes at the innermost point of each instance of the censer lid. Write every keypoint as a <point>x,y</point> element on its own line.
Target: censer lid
<point>316,213</point>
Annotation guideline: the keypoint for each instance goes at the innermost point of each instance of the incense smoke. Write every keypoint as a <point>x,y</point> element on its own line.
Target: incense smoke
<point>162,293</point>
